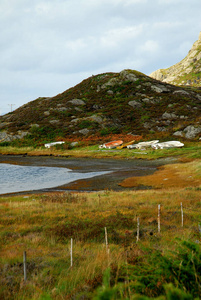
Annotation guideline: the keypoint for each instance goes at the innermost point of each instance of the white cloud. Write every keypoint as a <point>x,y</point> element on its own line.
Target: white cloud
<point>150,46</point>
<point>46,46</point>
<point>170,2</point>
<point>115,37</point>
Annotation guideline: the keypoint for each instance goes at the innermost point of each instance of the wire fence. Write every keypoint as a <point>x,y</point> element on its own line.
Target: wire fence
<point>182,211</point>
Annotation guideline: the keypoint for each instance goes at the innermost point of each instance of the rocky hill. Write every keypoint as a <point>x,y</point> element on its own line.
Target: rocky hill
<point>187,72</point>
<point>125,102</point>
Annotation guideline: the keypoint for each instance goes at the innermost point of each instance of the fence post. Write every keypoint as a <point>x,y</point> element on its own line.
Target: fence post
<point>138,229</point>
<point>199,228</point>
<point>106,241</point>
<point>182,216</point>
<point>159,218</point>
<point>71,253</point>
<point>25,265</point>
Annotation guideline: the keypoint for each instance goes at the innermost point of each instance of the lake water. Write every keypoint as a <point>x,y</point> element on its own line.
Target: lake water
<point>16,178</point>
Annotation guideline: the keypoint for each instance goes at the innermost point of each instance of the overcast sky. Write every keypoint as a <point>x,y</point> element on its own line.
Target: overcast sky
<point>48,46</point>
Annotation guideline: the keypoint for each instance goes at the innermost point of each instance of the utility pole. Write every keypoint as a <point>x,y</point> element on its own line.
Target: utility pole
<point>11,107</point>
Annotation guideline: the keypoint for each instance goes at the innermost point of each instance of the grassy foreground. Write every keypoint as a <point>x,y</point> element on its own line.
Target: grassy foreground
<point>162,265</point>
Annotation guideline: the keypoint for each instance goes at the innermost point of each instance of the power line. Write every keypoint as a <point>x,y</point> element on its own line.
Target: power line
<point>11,107</point>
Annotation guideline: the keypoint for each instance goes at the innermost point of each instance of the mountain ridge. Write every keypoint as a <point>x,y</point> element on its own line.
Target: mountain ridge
<point>187,72</point>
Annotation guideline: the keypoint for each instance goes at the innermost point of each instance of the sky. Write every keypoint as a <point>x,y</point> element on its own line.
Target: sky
<point>48,46</point>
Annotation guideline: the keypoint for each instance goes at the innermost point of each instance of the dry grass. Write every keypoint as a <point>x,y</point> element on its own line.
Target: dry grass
<point>43,226</point>
<point>170,176</point>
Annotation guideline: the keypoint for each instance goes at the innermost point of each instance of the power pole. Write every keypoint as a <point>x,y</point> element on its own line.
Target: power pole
<point>11,107</point>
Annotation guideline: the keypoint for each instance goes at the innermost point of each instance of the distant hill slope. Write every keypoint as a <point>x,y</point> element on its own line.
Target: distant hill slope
<point>125,102</point>
<point>186,72</point>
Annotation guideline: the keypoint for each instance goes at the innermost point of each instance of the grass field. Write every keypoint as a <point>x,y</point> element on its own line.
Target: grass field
<point>44,225</point>
<point>163,264</point>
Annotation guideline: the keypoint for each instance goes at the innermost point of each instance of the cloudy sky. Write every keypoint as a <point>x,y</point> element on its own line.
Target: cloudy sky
<point>48,46</point>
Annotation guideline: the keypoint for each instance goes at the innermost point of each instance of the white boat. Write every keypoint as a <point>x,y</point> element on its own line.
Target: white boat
<point>142,145</point>
<point>48,145</point>
<point>167,145</point>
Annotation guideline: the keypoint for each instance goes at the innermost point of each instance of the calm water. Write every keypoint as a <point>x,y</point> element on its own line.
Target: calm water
<point>15,178</point>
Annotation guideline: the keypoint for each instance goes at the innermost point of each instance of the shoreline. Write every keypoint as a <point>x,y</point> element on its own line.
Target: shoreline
<point>120,169</point>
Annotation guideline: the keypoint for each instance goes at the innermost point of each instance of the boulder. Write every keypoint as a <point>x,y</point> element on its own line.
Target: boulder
<point>75,121</point>
<point>34,125</point>
<point>4,137</point>
<point>191,131</point>
<point>198,97</point>
<point>77,102</point>
<point>112,82</point>
<point>179,133</point>
<point>62,109</point>
<point>134,104</point>
<point>128,76</point>
<point>96,107</point>
<point>96,119</point>
<point>159,88</point>
<point>9,137</point>
<point>182,92</point>
<point>74,144</point>
<point>168,116</point>
<point>84,131</point>
<point>147,100</point>
<point>54,122</point>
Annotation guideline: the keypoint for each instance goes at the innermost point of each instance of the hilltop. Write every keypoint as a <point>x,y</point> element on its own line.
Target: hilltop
<point>109,103</point>
<point>186,72</point>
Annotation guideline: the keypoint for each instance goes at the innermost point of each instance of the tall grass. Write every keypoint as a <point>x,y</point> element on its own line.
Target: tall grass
<point>43,226</point>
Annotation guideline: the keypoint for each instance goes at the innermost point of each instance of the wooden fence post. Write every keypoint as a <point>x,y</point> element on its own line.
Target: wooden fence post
<point>106,241</point>
<point>138,229</point>
<point>159,218</point>
<point>199,228</point>
<point>182,216</point>
<point>71,253</point>
<point>25,265</point>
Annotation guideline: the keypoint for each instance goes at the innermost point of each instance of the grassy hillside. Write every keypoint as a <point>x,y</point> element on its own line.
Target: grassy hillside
<point>110,103</point>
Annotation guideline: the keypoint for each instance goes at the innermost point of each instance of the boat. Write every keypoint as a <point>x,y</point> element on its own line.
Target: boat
<point>167,145</point>
<point>111,145</point>
<point>48,145</point>
<point>142,145</point>
<point>125,145</point>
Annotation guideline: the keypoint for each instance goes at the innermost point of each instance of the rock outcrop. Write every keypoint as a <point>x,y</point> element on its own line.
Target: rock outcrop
<point>186,72</point>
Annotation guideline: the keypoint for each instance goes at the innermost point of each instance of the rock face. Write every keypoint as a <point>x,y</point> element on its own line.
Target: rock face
<point>9,137</point>
<point>186,72</point>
